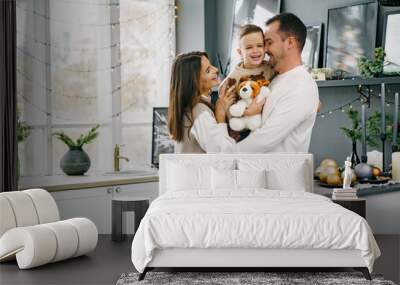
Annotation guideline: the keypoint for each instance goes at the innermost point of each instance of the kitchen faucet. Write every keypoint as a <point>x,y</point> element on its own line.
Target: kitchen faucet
<point>117,157</point>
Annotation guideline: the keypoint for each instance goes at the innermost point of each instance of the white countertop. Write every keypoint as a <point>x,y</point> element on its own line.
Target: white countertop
<point>65,182</point>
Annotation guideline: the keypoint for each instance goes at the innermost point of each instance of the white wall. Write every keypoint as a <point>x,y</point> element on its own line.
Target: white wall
<point>225,12</point>
<point>383,212</point>
<point>190,26</point>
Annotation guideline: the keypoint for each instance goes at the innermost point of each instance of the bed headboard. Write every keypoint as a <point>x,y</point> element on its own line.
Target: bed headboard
<point>305,159</point>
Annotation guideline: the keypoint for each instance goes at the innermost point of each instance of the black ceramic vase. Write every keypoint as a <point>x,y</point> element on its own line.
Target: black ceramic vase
<point>75,162</point>
<point>354,156</point>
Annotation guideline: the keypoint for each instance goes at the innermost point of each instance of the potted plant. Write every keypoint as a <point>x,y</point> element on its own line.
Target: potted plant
<point>372,124</point>
<point>76,161</point>
<point>354,134</point>
<point>370,68</point>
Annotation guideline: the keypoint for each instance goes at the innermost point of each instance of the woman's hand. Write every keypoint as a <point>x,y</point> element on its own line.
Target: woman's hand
<point>226,97</point>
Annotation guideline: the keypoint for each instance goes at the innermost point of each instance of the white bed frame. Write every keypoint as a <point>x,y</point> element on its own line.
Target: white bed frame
<point>251,258</point>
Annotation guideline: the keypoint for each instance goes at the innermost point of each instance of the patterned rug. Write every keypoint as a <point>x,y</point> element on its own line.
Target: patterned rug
<point>243,278</point>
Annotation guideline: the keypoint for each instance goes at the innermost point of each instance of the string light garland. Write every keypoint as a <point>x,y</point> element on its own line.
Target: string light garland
<point>340,108</point>
<point>349,104</point>
<point>106,69</point>
<point>56,46</point>
<point>55,92</point>
<point>389,92</point>
<point>112,24</point>
<point>102,122</point>
<point>105,5</point>
<point>154,15</point>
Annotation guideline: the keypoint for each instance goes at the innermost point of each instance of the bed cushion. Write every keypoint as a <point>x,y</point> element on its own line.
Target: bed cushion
<point>234,180</point>
<point>223,179</point>
<point>251,179</point>
<point>183,175</point>
<point>287,177</point>
<point>282,174</point>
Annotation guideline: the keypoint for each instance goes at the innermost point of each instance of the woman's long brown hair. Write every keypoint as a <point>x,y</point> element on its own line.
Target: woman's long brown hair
<point>184,92</point>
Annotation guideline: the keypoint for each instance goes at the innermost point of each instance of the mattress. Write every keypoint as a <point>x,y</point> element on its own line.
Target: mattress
<point>251,219</point>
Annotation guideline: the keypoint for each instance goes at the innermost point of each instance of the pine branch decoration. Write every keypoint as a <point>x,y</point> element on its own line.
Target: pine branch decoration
<point>83,139</point>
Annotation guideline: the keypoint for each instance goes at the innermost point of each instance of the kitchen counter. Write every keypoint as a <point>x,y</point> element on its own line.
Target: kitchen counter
<point>65,182</point>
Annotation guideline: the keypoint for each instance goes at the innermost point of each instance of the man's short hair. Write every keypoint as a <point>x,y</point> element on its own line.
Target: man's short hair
<point>290,25</point>
<point>249,29</point>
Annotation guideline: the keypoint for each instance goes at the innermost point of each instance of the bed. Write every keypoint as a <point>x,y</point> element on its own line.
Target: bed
<point>246,211</point>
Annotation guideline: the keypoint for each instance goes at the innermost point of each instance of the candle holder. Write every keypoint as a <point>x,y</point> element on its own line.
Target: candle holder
<point>395,147</point>
<point>383,129</point>
<point>363,170</point>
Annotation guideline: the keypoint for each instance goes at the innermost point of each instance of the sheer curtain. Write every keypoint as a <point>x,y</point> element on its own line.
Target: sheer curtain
<point>147,48</point>
<point>87,62</point>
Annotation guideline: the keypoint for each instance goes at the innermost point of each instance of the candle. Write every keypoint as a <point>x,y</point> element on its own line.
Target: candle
<point>395,118</point>
<point>383,126</point>
<point>364,131</point>
<point>375,158</point>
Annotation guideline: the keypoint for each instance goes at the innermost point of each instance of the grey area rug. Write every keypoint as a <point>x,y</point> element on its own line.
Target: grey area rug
<point>231,278</point>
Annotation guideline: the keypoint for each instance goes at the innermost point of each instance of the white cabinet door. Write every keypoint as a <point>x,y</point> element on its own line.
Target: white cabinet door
<point>149,189</point>
<point>91,203</point>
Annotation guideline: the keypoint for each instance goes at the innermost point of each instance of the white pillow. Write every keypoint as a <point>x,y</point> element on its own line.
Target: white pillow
<point>282,174</point>
<point>185,175</point>
<point>251,179</point>
<point>290,177</point>
<point>182,177</point>
<point>223,179</point>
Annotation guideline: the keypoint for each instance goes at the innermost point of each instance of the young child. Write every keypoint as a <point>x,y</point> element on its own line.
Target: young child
<point>252,51</point>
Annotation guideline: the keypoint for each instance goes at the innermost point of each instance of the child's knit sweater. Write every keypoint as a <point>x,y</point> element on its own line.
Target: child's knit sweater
<point>264,71</point>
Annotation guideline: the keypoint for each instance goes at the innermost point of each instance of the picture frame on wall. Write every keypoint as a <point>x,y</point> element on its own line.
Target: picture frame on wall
<point>311,51</point>
<point>255,12</point>
<point>351,33</point>
<point>161,141</point>
<point>390,42</point>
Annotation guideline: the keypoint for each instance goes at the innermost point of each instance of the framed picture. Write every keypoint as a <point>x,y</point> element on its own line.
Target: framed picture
<point>161,141</point>
<point>351,33</point>
<point>391,41</point>
<point>255,12</point>
<point>310,54</point>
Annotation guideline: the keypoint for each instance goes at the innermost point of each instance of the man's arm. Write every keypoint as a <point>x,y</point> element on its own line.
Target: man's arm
<point>287,114</point>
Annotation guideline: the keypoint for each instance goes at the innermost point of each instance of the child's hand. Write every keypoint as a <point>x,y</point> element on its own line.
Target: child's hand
<point>255,107</point>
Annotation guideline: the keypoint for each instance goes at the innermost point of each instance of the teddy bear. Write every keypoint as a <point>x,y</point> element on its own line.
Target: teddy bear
<point>248,90</point>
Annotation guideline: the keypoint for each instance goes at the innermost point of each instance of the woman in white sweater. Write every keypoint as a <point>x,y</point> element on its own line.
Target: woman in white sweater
<point>192,120</point>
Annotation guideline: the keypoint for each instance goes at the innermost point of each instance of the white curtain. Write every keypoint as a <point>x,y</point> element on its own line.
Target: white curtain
<point>85,62</point>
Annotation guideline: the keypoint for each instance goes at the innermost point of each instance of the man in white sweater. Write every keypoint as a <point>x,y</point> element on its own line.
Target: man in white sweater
<point>290,111</point>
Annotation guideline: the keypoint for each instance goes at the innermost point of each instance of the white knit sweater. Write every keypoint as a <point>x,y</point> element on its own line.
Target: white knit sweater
<point>288,115</point>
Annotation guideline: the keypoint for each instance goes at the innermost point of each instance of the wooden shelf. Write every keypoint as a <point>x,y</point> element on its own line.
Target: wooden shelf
<point>358,81</point>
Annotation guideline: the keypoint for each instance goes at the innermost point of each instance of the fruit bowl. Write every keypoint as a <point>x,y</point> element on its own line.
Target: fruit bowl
<point>326,185</point>
<point>376,180</point>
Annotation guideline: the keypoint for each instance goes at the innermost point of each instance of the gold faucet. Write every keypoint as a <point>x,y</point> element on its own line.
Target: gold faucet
<point>117,157</point>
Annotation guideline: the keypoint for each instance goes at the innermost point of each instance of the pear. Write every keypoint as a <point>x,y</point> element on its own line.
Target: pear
<point>376,171</point>
<point>329,162</point>
<point>327,170</point>
<point>333,179</point>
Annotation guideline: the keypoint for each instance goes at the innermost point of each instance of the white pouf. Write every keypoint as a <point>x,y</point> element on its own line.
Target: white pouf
<point>31,233</point>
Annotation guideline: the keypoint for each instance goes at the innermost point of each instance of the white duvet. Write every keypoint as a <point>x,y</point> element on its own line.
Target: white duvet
<point>255,218</point>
